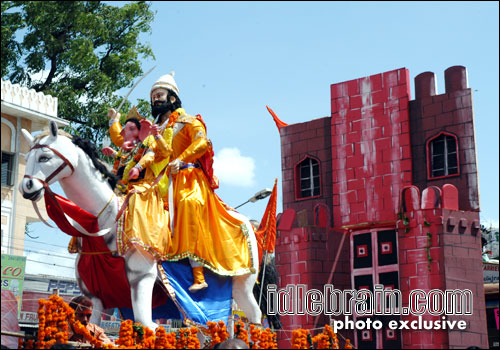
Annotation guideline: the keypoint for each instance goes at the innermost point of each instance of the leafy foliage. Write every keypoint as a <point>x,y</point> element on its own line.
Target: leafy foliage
<point>81,52</point>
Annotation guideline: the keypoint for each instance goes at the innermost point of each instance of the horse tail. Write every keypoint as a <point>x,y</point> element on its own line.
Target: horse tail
<point>91,150</point>
<point>271,277</point>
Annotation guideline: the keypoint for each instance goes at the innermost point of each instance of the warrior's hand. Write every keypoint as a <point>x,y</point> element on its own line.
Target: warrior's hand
<point>175,166</point>
<point>134,173</point>
<point>155,130</point>
<point>113,115</point>
<point>108,151</point>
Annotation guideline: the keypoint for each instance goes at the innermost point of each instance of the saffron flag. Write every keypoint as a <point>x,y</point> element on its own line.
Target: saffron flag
<point>266,233</point>
<point>278,122</point>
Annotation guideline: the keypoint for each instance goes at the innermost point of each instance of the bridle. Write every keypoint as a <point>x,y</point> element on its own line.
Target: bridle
<point>45,183</point>
<point>65,163</point>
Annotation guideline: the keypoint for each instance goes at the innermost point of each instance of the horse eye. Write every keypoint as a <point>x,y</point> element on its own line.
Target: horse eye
<point>43,159</point>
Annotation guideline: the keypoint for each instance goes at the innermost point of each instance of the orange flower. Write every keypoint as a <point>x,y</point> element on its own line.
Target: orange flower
<point>241,332</point>
<point>193,341</point>
<point>161,338</point>
<point>267,340</point>
<point>255,336</point>
<point>299,339</point>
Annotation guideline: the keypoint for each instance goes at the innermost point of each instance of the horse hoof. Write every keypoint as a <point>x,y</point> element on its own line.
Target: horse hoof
<point>197,287</point>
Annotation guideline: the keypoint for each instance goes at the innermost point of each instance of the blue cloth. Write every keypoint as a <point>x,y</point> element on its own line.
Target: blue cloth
<point>210,304</point>
<point>189,165</point>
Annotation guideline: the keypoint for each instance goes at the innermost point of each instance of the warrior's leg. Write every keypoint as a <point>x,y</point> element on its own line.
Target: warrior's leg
<point>198,276</point>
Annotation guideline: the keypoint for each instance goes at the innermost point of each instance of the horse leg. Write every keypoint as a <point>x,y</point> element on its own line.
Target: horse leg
<point>97,307</point>
<point>243,295</point>
<point>97,311</point>
<point>141,273</point>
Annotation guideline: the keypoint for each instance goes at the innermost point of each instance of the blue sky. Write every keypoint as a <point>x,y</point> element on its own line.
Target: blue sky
<point>231,59</point>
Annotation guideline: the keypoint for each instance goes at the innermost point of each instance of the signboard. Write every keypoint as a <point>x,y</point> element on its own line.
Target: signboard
<point>47,284</point>
<point>28,317</point>
<point>13,268</point>
<point>490,273</point>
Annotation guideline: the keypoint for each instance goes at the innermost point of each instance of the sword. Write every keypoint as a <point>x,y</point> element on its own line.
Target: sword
<point>133,87</point>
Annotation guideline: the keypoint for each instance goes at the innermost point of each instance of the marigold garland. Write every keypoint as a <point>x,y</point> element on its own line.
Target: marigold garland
<point>267,340</point>
<point>161,338</point>
<point>126,335</point>
<point>193,341</point>
<point>83,331</point>
<point>299,339</point>
<point>182,339</point>
<point>218,332</point>
<point>53,317</point>
<point>327,339</point>
<point>56,317</point>
<point>240,332</point>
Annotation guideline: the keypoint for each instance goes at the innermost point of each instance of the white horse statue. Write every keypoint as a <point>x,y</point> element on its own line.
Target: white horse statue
<point>54,157</point>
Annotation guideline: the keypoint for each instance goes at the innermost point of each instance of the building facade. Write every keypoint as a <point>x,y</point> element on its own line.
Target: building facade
<point>22,108</point>
<point>384,192</point>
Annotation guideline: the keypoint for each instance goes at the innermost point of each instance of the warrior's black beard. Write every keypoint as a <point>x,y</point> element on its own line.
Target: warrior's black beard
<point>157,110</point>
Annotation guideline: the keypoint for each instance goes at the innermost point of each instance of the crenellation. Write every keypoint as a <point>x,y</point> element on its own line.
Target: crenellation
<point>374,176</point>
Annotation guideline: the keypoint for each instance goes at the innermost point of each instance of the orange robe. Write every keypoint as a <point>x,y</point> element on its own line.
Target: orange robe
<point>146,221</point>
<point>203,230</point>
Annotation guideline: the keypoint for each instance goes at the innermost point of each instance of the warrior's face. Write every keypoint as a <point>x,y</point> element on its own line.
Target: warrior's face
<point>162,101</point>
<point>159,96</point>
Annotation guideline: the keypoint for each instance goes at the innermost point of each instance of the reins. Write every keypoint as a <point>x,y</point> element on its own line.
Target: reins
<point>45,183</point>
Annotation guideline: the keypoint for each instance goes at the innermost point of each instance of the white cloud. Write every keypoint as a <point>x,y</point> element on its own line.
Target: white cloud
<point>234,169</point>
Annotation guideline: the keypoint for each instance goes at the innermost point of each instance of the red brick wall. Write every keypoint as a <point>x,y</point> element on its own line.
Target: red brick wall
<point>297,142</point>
<point>305,255</point>
<point>462,260</point>
<point>451,112</point>
<point>455,263</point>
<point>371,153</point>
<point>366,160</point>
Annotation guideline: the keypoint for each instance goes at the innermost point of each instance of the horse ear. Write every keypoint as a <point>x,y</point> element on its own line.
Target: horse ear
<point>28,137</point>
<point>53,129</point>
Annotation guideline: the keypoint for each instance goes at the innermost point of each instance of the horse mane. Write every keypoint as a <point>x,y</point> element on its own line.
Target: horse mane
<point>90,149</point>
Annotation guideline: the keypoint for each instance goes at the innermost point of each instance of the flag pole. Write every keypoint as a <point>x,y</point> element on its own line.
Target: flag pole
<point>262,279</point>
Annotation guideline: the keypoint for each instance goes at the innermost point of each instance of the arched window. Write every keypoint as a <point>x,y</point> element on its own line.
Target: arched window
<point>308,178</point>
<point>443,155</point>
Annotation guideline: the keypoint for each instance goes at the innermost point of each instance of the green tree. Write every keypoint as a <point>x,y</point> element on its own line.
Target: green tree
<point>84,52</point>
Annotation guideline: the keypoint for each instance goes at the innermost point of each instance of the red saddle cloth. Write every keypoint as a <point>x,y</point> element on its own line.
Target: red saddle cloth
<point>106,278</point>
<point>57,206</point>
<point>103,274</point>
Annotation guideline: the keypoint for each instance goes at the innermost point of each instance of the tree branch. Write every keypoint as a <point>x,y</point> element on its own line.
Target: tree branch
<point>105,56</point>
<point>53,68</point>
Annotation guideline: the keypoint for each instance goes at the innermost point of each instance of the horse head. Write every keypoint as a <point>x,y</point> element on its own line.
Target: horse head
<point>49,159</point>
